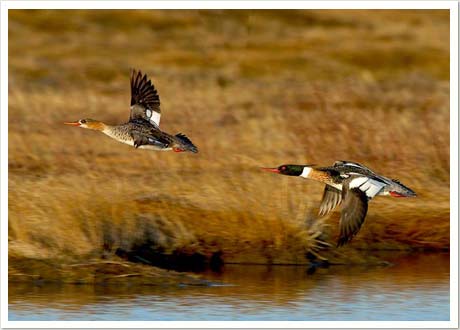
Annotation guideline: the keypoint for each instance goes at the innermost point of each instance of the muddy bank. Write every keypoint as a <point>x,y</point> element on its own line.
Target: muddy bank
<point>104,272</point>
<point>147,267</point>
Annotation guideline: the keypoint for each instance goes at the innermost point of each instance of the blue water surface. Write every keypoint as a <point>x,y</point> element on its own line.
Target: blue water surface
<point>414,288</point>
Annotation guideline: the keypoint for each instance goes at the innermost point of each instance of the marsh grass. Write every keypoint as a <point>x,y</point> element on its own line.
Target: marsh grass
<point>250,89</point>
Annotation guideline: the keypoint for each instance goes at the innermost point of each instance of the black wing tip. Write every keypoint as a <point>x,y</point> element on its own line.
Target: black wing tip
<point>138,74</point>
<point>343,241</point>
<point>136,77</point>
<point>134,71</point>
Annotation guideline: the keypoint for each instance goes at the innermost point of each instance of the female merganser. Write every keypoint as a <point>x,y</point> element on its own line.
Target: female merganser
<point>142,130</point>
<point>351,182</point>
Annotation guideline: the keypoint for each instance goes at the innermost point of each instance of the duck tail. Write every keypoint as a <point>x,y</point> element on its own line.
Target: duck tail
<point>186,143</point>
<point>397,189</point>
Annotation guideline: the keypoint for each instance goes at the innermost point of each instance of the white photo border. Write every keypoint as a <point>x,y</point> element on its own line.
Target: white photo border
<point>278,4</point>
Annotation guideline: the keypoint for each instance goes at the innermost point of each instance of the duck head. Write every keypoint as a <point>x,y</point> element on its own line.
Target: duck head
<point>88,123</point>
<point>287,169</point>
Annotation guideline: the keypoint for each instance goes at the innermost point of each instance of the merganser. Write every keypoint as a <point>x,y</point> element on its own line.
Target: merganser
<point>350,182</point>
<point>142,130</point>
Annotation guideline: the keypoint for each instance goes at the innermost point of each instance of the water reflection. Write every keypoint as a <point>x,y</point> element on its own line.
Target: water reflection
<point>415,288</point>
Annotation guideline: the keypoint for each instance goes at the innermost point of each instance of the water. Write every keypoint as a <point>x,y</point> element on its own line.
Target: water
<point>415,288</point>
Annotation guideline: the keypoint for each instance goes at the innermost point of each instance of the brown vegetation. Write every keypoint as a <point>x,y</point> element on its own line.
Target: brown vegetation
<point>250,88</point>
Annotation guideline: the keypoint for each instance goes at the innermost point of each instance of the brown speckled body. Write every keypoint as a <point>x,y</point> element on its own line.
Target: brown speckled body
<point>322,175</point>
<point>143,135</point>
<point>142,131</point>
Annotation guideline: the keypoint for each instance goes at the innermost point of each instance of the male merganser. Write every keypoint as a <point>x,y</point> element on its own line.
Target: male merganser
<point>351,182</point>
<point>142,130</point>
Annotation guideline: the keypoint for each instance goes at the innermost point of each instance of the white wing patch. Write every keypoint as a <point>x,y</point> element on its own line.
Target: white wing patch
<point>369,186</point>
<point>358,181</point>
<point>155,117</point>
<point>152,116</point>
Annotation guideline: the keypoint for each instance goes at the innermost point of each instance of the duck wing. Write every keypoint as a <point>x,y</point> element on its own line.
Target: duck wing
<point>354,210</point>
<point>331,198</point>
<point>150,136</point>
<point>145,101</point>
<point>371,186</point>
<point>352,167</point>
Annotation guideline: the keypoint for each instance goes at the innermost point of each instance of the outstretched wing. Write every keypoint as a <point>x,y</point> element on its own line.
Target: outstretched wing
<point>145,102</point>
<point>331,198</point>
<point>354,212</point>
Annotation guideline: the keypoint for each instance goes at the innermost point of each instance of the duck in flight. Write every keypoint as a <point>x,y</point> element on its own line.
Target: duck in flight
<point>351,183</point>
<point>143,128</point>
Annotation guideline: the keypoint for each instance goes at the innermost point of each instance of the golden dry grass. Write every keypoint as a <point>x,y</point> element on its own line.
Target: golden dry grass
<point>250,88</point>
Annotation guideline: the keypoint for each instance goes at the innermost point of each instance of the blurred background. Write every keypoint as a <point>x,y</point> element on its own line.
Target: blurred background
<point>251,89</point>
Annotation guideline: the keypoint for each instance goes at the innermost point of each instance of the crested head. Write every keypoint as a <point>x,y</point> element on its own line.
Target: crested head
<point>291,170</point>
<point>88,123</point>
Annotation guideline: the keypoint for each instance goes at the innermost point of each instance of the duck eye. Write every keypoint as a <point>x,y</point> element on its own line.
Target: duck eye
<point>283,168</point>
<point>83,121</point>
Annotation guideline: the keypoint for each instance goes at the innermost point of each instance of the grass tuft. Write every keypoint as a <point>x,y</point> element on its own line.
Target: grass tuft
<point>250,89</point>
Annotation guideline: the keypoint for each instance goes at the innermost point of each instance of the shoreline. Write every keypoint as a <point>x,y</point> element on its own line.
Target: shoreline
<point>121,272</point>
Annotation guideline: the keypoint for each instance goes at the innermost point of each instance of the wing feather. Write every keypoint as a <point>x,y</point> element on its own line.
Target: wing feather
<point>331,198</point>
<point>354,210</point>
<point>145,101</point>
<point>152,137</point>
<point>370,186</point>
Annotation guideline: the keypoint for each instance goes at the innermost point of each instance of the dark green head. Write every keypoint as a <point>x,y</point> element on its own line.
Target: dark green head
<point>292,170</point>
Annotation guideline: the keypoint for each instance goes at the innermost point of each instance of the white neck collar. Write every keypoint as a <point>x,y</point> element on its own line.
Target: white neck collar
<point>306,171</point>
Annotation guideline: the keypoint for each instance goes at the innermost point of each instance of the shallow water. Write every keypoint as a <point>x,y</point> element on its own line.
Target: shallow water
<point>414,288</point>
